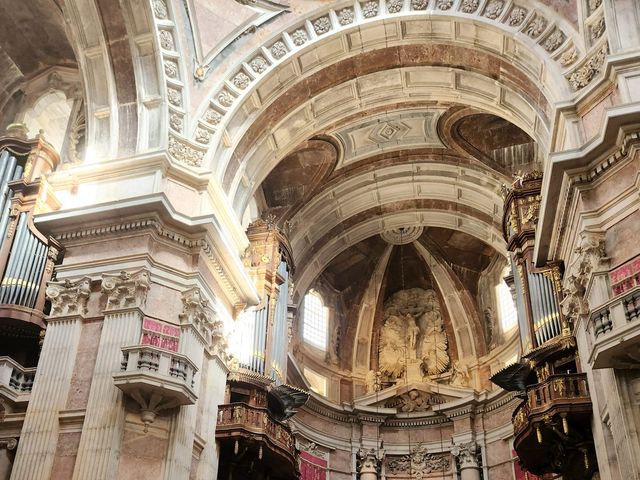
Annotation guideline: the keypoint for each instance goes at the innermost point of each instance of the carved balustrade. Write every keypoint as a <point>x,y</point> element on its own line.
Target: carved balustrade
<point>147,370</point>
<point>242,420</point>
<point>15,381</point>
<point>557,392</point>
<point>614,332</point>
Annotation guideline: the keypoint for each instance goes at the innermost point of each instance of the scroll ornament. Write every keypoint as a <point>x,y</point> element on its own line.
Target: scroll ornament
<point>68,297</point>
<point>126,289</point>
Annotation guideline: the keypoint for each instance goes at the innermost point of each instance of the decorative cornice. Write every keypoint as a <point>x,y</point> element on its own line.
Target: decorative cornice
<point>158,228</point>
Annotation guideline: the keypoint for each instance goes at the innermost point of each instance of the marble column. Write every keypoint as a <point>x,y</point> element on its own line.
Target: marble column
<point>100,442</point>
<point>39,437</point>
<point>466,454</point>
<point>214,396</point>
<point>198,320</point>
<point>368,463</point>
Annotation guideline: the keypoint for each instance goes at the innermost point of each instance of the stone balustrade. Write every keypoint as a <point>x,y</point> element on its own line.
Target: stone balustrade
<point>614,332</point>
<point>16,381</point>
<point>148,370</point>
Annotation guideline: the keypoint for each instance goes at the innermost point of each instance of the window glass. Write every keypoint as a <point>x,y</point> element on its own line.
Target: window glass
<point>315,321</point>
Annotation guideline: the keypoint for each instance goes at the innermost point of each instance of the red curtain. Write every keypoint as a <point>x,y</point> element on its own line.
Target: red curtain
<point>312,467</point>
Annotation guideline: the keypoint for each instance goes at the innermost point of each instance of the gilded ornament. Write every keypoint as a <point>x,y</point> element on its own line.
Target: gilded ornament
<point>185,153</point>
<point>322,25</point>
<point>419,463</point>
<point>583,75</point>
<point>598,29</point>
<point>594,4</point>
<point>568,57</point>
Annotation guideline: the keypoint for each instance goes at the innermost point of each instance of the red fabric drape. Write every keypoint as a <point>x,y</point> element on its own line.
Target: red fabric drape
<point>312,467</point>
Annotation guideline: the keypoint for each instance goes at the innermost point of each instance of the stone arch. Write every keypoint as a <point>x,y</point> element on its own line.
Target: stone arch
<point>232,109</point>
<point>117,56</point>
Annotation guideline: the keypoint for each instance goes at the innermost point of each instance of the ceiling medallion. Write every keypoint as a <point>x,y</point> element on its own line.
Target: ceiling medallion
<point>402,235</point>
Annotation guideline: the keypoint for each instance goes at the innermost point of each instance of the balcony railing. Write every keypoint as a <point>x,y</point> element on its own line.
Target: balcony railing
<point>254,420</point>
<point>15,380</point>
<point>614,328</point>
<point>558,390</point>
<point>147,370</point>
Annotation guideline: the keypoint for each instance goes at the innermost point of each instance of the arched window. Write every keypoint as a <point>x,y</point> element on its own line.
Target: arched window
<point>506,307</point>
<point>315,318</point>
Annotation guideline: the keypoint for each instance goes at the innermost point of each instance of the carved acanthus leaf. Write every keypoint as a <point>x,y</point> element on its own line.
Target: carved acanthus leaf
<point>590,256</point>
<point>467,453</point>
<point>197,312</point>
<point>126,289</point>
<point>68,297</point>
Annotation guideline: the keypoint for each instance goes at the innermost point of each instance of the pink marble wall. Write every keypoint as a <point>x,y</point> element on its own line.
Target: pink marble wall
<point>84,364</point>
<point>66,452</point>
<point>142,455</point>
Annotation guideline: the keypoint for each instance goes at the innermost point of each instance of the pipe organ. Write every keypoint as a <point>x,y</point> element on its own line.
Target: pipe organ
<point>538,289</point>
<point>258,399</point>
<point>553,420</point>
<point>26,255</point>
<point>265,328</point>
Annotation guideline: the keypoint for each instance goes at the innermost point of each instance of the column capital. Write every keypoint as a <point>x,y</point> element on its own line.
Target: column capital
<point>69,297</point>
<point>125,289</point>
<point>466,454</point>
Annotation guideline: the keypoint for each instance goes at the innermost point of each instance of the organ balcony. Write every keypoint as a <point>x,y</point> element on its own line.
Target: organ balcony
<point>252,424</point>
<point>549,427</point>
<point>156,379</point>
<point>614,332</point>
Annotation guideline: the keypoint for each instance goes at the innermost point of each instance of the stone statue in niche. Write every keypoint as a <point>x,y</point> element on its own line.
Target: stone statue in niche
<point>372,382</point>
<point>460,374</point>
<point>490,327</point>
<point>412,339</point>
<point>333,355</point>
